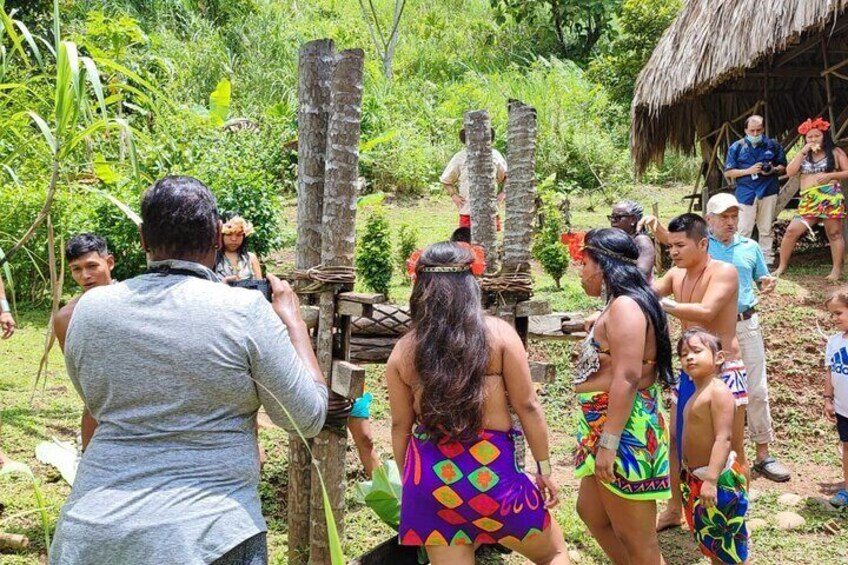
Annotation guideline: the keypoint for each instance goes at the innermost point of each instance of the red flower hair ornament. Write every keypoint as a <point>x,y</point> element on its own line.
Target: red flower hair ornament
<point>477,267</point>
<point>809,124</point>
<point>575,242</point>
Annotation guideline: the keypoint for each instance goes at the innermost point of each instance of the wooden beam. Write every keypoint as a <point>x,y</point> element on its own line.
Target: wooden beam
<point>346,308</point>
<point>362,297</point>
<point>834,68</point>
<point>348,379</point>
<point>534,307</point>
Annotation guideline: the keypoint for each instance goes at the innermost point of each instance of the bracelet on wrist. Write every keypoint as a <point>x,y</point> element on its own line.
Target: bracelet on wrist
<point>4,306</point>
<point>828,397</point>
<point>543,467</point>
<point>609,441</point>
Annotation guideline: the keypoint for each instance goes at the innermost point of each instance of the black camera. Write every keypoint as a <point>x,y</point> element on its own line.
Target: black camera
<point>767,167</point>
<point>260,285</point>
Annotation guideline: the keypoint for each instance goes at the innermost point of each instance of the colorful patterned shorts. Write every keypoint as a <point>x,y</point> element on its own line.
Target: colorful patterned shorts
<point>641,463</point>
<point>720,531</point>
<point>468,493</point>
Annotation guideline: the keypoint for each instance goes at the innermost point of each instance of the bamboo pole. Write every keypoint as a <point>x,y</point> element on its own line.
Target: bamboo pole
<point>315,65</point>
<point>337,249</point>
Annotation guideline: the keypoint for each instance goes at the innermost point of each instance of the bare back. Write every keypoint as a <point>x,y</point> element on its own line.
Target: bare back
<point>496,413</point>
<point>602,379</point>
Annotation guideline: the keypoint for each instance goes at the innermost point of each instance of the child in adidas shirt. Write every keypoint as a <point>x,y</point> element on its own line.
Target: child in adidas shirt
<point>836,383</point>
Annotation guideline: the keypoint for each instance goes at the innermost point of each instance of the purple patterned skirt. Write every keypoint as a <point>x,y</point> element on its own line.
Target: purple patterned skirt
<point>465,493</point>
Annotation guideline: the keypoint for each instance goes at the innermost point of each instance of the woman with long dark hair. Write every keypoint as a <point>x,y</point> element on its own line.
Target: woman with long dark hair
<point>234,262</point>
<point>821,166</point>
<point>452,380</point>
<point>622,451</point>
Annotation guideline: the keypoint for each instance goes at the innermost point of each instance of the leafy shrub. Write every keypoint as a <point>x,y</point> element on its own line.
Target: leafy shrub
<point>374,252</point>
<point>548,248</point>
<point>407,243</point>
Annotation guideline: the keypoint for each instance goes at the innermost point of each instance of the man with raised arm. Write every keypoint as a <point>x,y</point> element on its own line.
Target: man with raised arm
<point>705,292</point>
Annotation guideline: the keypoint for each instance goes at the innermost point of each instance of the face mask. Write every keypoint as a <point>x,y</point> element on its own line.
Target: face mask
<point>754,139</point>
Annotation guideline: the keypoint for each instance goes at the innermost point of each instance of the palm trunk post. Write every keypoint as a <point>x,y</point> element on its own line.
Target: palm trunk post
<point>315,67</point>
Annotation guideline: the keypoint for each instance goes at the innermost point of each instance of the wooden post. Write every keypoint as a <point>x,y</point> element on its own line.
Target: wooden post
<point>315,65</point>
<point>337,249</point>
<point>481,174</point>
<point>520,187</point>
<point>520,203</point>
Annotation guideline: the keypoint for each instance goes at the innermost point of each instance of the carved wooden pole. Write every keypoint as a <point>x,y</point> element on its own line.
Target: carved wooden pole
<point>314,68</point>
<point>337,249</point>
<point>481,174</point>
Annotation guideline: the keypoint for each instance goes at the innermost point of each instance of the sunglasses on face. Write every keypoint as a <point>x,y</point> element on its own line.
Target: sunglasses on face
<point>617,217</point>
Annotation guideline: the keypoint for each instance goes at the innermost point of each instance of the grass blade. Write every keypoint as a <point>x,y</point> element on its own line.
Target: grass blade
<point>18,468</point>
<point>45,131</point>
<point>121,206</point>
<point>31,41</point>
<point>9,27</point>
<point>93,76</point>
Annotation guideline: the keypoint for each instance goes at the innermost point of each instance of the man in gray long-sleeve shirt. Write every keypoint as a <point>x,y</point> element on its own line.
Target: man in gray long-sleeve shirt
<point>174,366</point>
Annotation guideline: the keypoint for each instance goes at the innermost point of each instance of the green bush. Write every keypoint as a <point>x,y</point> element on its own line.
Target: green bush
<point>374,252</point>
<point>548,248</point>
<point>407,243</point>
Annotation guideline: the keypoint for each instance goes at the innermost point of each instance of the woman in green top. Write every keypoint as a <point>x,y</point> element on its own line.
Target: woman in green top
<point>235,262</point>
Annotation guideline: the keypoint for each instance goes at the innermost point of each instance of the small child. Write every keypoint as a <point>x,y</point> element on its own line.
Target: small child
<point>715,491</point>
<point>836,383</point>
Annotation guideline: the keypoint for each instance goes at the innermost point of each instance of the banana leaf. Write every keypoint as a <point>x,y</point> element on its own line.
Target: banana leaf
<point>382,493</point>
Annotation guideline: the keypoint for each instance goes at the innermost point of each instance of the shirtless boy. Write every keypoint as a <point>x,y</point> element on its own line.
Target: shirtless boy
<point>713,484</point>
<point>91,266</point>
<point>704,293</point>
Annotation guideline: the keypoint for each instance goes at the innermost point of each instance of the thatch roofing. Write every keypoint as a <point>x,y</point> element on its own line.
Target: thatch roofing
<point>720,57</point>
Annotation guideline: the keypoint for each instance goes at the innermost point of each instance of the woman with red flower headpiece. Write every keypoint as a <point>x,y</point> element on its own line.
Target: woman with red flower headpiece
<point>452,380</point>
<point>821,166</point>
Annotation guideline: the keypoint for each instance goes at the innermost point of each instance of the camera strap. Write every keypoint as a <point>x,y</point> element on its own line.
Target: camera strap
<point>166,270</point>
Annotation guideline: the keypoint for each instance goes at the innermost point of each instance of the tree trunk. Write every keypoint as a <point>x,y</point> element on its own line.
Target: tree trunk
<point>337,249</point>
<point>481,174</point>
<point>520,187</point>
<point>315,66</point>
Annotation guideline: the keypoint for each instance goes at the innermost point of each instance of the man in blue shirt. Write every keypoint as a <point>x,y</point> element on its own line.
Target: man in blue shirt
<point>756,162</point>
<point>723,215</point>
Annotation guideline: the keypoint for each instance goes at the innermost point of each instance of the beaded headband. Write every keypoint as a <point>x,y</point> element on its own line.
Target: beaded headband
<point>445,269</point>
<point>611,254</point>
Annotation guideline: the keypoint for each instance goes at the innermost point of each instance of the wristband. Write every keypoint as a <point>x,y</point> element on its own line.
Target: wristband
<point>4,306</point>
<point>828,397</point>
<point>543,467</point>
<point>609,441</point>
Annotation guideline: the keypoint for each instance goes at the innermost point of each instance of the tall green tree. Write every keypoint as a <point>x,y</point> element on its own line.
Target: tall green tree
<point>641,24</point>
<point>577,25</point>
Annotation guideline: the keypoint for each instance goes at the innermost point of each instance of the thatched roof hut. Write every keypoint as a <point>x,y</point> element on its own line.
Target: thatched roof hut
<point>721,59</point>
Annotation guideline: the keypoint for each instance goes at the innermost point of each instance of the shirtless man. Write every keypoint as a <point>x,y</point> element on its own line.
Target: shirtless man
<point>91,266</point>
<point>705,292</point>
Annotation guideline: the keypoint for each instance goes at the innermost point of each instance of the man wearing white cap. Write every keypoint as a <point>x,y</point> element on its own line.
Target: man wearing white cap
<point>725,244</point>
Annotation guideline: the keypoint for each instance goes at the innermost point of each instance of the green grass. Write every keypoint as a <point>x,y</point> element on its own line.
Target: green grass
<point>805,440</point>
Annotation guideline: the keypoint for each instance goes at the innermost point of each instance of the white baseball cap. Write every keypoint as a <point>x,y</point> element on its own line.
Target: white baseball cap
<point>720,203</point>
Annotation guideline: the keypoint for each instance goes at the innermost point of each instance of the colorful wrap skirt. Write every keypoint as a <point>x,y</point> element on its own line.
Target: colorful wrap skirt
<point>468,493</point>
<point>641,464</point>
<point>825,202</point>
<point>720,531</point>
